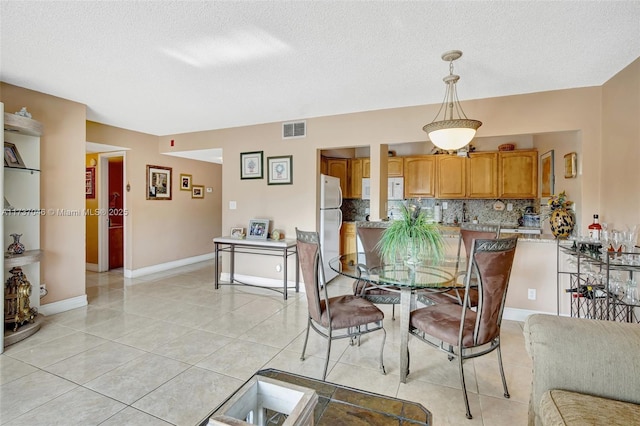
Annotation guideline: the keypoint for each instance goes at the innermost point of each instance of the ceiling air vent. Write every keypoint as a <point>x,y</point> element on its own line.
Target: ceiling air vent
<point>294,129</point>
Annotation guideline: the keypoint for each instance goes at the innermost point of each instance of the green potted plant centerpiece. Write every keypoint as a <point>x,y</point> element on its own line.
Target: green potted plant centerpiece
<point>412,238</point>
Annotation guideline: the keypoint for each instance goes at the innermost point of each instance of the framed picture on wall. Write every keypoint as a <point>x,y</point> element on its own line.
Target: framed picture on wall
<point>251,165</point>
<point>546,174</point>
<point>197,191</point>
<point>158,183</point>
<point>279,170</point>
<point>570,167</point>
<point>90,182</point>
<point>185,182</point>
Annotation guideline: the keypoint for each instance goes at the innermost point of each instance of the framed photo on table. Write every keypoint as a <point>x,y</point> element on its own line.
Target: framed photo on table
<point>158,183</point>
<point>279,170</point>
<point>90,182</point>
<point>570,166</point>
<point>258,229</point>
<point>546,174</point>
<point>237,232</point>
<point>12,156</point>
<point>251,164</point>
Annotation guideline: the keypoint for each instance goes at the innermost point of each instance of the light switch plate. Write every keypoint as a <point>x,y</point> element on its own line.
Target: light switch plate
<point>209,189</point>
<point>232,205</point>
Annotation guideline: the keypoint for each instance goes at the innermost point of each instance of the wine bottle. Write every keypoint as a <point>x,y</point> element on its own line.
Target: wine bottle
<point>595,228</point>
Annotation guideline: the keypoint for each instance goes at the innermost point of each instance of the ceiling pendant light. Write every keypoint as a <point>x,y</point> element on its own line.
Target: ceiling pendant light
<point>452,132</point>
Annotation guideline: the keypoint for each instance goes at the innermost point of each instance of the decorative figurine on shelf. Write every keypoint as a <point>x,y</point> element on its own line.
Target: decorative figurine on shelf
<point>561,219</point>
<point>17,309</point>
<point>16,247</point>
<point>23,112</point>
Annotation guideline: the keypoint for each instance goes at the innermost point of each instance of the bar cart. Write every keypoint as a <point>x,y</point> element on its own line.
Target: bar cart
<point>602,281</point>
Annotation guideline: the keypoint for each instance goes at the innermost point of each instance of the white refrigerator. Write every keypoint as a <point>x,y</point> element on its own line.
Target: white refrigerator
<point>330,221</point>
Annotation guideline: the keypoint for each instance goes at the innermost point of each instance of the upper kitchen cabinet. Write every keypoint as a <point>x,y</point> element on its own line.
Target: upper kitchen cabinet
<point>338,167</point>
<point>395,167</point>
<point>482,175</point>
<point>355,177</point>
<point>518,174</point>
<point>451,174</point>
<point>419,176</point>
<point>366,167</point>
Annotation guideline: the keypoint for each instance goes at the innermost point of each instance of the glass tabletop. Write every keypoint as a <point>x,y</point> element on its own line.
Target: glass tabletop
<point>428,274</point>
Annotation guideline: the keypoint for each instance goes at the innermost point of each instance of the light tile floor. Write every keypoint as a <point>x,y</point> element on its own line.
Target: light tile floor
<point>167,348</point>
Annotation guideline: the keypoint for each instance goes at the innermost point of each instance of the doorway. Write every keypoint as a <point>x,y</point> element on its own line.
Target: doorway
<point>113,213</point>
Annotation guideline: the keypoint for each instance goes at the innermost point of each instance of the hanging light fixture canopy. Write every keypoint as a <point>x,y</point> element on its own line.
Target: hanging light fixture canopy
<point>455,130</point>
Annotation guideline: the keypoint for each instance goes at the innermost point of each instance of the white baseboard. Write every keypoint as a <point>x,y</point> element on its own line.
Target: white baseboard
<point>261,281</point>
<point>515,314</point>
<point>93,267</point>
<point>134,273</point>
<point>63,305</point>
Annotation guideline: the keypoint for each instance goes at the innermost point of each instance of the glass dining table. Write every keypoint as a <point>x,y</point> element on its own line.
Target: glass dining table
<point>411,280</point>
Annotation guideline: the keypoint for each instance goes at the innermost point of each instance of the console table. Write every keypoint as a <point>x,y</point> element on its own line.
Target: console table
<point>281,248</point>
<point>342,405</point>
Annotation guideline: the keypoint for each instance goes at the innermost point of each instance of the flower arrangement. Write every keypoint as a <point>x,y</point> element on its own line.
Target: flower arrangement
<point>559,201</point>
<point>412,237</point>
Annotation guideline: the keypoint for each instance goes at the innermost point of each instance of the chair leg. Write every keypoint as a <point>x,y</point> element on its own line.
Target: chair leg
<point>393,312</point>
<point>384,338</point>
<point>464,386</point>
<point>306,338</point>
<point>504,380</point>
<point>326,362</point>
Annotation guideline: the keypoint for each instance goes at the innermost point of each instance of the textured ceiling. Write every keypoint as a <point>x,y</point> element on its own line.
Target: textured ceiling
<point>164,67</point>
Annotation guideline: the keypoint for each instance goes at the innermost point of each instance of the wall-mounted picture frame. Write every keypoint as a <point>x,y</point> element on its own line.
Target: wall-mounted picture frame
<point>90,182</point>
<point>570,165</point>
<point>185,182</point>
<point>251,165</point>
<point>12,156</point>
<point>197,191</point>
<point>280,170</point>
<point>547,176</point>
<point>158,183</point>
<point>237,232</point>
<point>258,229</point>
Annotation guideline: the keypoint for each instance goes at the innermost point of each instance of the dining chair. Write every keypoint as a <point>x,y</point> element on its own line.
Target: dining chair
<point>468,232</point>
<point>337,317</point>
<point>464,332</point>
<point>370,234</point>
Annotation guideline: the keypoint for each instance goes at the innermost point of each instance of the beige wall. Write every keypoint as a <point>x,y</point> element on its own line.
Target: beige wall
<point>160,231</point>
<point>620,150</point>
<point>62,158</point>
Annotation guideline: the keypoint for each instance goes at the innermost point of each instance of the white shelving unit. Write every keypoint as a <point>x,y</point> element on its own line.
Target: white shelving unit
<point>21,189</point>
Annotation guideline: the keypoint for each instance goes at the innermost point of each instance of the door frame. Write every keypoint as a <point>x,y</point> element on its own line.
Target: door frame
<point>103,208</point>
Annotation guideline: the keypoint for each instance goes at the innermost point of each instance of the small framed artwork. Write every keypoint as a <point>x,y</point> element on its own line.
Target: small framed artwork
<point>197,191</point>
<point>279,170</point>
<point>185,182</point>
<point>237,232</point>
<point>12,156</point>
<point>546,174</point>
<point>251,164</point>
<point>258,229</point>
<point>158,183</point>
<point>570,166</point>
<point>90,182</point>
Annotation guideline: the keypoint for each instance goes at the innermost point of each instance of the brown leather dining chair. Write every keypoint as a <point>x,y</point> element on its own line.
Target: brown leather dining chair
<point>337,317</point>
<point>459,330</point>
<point>468,232</point>
<point>369,234</point>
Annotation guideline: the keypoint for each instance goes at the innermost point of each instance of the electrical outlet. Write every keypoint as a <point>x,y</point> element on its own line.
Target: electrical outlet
<point>278,267</point>
<point>445,205</point>
<point>509,207</point>
<point>531,294</point>
<point>43,290</point>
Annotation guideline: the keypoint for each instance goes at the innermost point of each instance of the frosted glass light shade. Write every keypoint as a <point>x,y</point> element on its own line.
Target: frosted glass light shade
<point>452,134</point>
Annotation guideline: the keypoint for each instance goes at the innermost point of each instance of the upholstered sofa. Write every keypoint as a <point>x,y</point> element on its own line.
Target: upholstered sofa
<point>585,372</point>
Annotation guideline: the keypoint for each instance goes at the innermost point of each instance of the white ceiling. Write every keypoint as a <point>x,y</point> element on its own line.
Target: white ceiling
<point>166,67</point>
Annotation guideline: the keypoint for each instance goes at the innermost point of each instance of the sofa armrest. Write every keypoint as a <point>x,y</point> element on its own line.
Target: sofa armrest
<point>595,357</point>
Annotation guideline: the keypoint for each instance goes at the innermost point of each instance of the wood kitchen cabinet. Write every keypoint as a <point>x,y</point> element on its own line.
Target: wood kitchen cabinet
<point>366,167</point>
<point>348,238</point>
<point>482,175</point>
<point>518,174</point>
<point>451,172</point>
<point>395,167</point>
<point>338,167</point>
<point>419,176</point>
<point>355,177</point>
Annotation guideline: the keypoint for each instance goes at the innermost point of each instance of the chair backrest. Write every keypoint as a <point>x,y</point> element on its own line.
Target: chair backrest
<point>491,261</point>
<point>469,232</point>
<point>370,234</point>
<point>310,259</point>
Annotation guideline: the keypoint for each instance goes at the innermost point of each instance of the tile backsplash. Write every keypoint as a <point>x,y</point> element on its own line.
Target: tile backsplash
<point>483,210</point>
